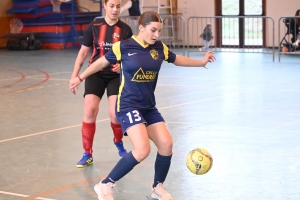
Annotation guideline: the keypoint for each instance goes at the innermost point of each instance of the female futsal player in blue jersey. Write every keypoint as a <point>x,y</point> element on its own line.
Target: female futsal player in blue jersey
<point>141,57</point>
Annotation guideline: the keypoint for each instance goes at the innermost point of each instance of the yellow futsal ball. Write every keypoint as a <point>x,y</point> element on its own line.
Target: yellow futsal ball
<point>199,161</point>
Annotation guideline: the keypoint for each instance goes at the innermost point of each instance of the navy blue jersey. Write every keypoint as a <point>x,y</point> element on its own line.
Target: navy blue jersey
<point>140,65</point>
<point>102,36</point>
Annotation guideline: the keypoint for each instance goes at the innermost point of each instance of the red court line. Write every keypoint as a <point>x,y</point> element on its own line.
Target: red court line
<point>42,194</point>
<point>18,81</point>
<point>62,188</point>
<point>47,76</point>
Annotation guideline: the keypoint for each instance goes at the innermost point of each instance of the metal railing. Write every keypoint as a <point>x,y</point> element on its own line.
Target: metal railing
<point>288,43</point>
<point>132,21</point>
<point>254,27</point>
<point>172,33</point>
<point>181,37</point>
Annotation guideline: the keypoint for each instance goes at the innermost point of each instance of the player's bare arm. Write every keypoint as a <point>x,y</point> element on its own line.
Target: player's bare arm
<point>93,68</point>
<point>116,67</point>
<point>82,55</point>
<point>188,62</point>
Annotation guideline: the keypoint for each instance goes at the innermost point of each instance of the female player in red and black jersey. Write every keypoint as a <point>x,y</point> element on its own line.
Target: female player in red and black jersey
<point>141,57</point>
<point>99,36</point>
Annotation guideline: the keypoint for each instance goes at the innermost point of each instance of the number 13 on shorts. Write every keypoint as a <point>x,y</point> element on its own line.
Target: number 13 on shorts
<point>133,116</point>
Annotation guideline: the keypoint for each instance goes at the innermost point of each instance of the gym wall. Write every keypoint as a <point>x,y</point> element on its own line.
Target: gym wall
<point>186,7</point>
<point>279,8</point>
<point>4,19</point>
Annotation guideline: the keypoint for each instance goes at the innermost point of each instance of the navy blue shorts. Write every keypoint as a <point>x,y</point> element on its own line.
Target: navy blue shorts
<point>131,118</point>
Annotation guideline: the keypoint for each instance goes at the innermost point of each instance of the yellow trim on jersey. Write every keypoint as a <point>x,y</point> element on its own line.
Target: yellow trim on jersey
<point>120,89</point>
<point>166,51</point>
<point>117,50</point>
<point>138,41</point>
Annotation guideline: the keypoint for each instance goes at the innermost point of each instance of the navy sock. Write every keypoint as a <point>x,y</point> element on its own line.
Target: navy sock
<point>162,166</point>
<point>124,166</point>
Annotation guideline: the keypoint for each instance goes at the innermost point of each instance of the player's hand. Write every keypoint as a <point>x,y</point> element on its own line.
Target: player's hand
<point>74,90</point>
<point>209,57</point>
<point>73,83</point>
<point>116,67</point>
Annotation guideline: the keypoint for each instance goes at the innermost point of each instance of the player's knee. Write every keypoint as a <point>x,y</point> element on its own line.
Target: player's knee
<point>113,117</point>
<point>142,153</point>
<point>166,146</point>
<point>91,111</point>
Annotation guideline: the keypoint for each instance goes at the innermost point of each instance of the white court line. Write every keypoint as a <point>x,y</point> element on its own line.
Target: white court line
<point>212,79</point>
<point>50,79</point>
<point>27,77</point>
<point>201,100</point>
<point>188,85</point>
<point>55,73</point>
<point>226,87</point>
<point>237,127</point>
<point>23,195</point>
<point>53,130</point>
<point>9,79</point>
<point>191,93</point>
<point>49,74</point>
<point>40,133</point>
<point>285,124</point>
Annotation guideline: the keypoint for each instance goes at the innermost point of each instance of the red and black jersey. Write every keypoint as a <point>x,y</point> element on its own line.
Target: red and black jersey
<point>100,37</point>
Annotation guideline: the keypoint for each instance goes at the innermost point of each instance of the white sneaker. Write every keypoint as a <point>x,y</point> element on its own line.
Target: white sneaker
<point>296,44</point>
<point>105,190</point>
<point>160,193</point>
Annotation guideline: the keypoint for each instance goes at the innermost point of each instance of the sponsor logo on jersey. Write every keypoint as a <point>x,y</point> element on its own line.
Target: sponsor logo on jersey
<point>115,35</point>
<point>154,54</point>
<point>141,76</point>
<point>104,45</point>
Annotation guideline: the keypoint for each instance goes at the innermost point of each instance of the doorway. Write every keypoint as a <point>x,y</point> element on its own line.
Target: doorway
<point>241,26</point>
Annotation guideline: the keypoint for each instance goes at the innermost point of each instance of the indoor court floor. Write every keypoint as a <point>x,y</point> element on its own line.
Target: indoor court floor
<point>244,109</point>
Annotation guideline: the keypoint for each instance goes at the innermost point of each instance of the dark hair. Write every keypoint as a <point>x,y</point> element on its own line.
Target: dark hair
<point>105,2</point>
<point>148,17</point>
<point>297,14</point>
